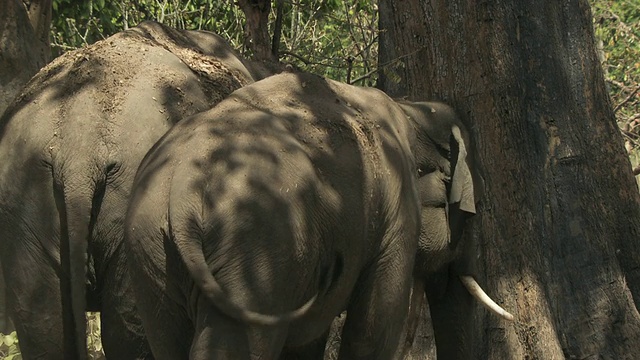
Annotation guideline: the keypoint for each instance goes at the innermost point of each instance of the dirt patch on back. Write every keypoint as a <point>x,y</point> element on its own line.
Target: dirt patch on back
<point>220,77</point>
<point>110,65</point>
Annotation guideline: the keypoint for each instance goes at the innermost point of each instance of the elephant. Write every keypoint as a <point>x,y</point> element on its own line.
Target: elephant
<point>253,224</point>
<point>449,188</point>
<point>70,145</point>
<point>5,324</point>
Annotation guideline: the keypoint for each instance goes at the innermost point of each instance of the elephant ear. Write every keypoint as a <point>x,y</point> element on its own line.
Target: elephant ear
<point>461,180</point>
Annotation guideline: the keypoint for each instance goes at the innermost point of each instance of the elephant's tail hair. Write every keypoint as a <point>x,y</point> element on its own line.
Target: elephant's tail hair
<point>476,291</point>
<point>196,264</point>
<point>74,198</point>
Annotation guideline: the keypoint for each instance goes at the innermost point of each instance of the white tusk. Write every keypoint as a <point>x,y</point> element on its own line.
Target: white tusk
<point>476,291</point>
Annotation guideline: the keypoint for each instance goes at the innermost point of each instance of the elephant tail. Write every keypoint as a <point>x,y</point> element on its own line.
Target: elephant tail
<point>194,259</point>
<point>74,202</point>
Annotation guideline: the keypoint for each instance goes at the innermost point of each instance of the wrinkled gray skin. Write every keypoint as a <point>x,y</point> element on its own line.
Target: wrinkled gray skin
<point>448,194</point>
<point>293,187</point>
<point>69,149</point>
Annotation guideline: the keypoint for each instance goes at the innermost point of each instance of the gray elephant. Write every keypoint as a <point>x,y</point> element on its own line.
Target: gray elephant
<point>69,149</point>
<point>5,324</point>
<point>252,225</point>
<point>445,265</point>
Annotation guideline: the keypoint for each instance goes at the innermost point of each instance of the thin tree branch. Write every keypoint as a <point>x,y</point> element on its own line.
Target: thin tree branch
<point>387,64</point>
<point>627,99</point>
<point>616,83</point>
<point>630,135</point>
<point>306,61</point>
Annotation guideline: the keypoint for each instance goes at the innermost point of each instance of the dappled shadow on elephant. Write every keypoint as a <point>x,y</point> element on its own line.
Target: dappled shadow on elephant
<point>252,225</point>
<point>70,145</point>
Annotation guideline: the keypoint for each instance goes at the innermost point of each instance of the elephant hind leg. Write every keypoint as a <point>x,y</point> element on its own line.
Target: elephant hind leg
<point>222,337</point>
<point>6,326</point>
<point>376,315</point>
<point>312,351</point>
<point>167,326</point>
<point>35,303</point>
<point>122,333</point>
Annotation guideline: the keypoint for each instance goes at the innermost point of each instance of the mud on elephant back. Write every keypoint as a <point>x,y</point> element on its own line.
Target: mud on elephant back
<point>70,145</point>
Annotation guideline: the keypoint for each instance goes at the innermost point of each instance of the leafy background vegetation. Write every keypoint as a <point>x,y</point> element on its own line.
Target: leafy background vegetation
<point>320,36</point>
<point>337,39</point>
<point>617,29</point>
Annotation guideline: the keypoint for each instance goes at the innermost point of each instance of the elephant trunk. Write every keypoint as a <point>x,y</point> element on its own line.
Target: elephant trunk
<point>476,291</point>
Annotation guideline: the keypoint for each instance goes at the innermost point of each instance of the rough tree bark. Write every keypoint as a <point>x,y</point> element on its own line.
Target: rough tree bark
<point>559,222</point>
<point>24,49</point>
<point>24,44</point>
<point>39,13</point>
<point>256,28</point>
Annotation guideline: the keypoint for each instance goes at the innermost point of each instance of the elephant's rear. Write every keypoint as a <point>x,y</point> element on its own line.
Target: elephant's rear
<point>30,243</point>
<point>243,196</point>
<point>71,144</point>
<point>164,302</point>
<point>282,180</point>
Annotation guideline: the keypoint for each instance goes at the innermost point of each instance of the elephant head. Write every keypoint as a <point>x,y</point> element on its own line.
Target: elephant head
<point>448,187</point>
<point>445,181</point>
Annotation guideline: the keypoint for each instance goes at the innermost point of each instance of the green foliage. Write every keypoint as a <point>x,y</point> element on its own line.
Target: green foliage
<point>617,29</point>
<point>337,39</point>
<point>9,349</point>
<point>76,24</point>
<point>334,38</point>
<point>94,343</point>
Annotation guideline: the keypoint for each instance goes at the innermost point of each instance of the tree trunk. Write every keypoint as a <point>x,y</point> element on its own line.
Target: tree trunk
<point>256,28</point>
<point>24,49</point>
<point>557,228</point>
<point>39,13</point>
<point>24,44</point>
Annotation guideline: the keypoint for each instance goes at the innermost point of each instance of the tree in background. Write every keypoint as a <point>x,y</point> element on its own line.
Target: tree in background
<point>556,235</point>
<point>256,28</point>
<point>24,44</point>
